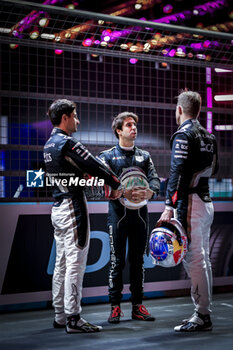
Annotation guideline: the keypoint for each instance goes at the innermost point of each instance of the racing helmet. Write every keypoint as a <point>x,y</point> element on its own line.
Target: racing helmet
<point>132,178</point>
<point>168,244</point>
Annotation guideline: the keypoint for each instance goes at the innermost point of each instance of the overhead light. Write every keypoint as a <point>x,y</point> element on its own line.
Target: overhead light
<point>87,42</point>
<point>17,34</point>
<point>168,8</point>
<point>220,70</point>
<point>34,34</point>
<point>70,6</point>
<point>172,53</point>
<point>5,30</point>
<point>47,36</point>
<point>214,28</point>
<point>14,46</point>
<point>107,38</point>
<point>162,65</point>
<point>208,58</point>
<point>43,22</point>
<point>106,35</point>
<point>94,58</point>
<point>133,48</point>
<point>206,44</point>
<point>201,56</point>
<point>209,123</point>
<point>181,51</point>
<point>58,52</point>
<point>124,46</point>
<point>133,60</point>
<point>223,127</point>
<point>138,6</point>
<point>103,43</point>
<point>146,47</point>
<point>219,98</point>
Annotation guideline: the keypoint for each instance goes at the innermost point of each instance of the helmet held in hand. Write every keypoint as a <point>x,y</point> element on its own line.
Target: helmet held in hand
<point>168,244</point>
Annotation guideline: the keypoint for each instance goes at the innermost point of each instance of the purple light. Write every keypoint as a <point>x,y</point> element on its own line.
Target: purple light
<point>17,34</point>
<point>133,60</point>
<point>168,8</point>
<point>96,42</point>
<point>210,7</point>
<point>106,35</point>
<point>172,53</point>
<point>207,43</point>
<point>115,35</point>
<point>209,97</point>
<point>201,10</point>
<point>31,19</point>
<point>197,46</point>
<point>87,42</point>
<point>106,32</point>
<point>208,75</point>
<point>58,52</point>
<point>215,43</point>
<point>181,48</point>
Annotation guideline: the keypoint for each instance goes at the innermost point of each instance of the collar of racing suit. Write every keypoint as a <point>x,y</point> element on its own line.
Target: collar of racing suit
<point>188,121</point>
<point>57,130</point>
<point>123,151</point>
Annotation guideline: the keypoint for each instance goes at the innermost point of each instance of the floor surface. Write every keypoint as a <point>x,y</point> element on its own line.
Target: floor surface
<point>33,329</point>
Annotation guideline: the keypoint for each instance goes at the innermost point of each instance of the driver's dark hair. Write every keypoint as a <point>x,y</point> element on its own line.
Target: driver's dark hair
<point>58,108</point>
<point>119,120</point>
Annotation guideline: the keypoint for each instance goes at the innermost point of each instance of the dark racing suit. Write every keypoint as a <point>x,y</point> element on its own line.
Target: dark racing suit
<point>67,158</point>
<point>193,161</point>
<point>125,223</point>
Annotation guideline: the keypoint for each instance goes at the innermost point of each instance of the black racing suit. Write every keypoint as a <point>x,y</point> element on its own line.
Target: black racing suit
<point>125,223</point>
<point>194,160</point>
<point>66,159</point>
<point>65,156</point>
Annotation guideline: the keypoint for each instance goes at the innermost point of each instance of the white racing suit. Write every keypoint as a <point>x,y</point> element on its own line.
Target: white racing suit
<point>65,157</point>
<point>197,261</point>
<point>70,258</point>
<point>193,161</point>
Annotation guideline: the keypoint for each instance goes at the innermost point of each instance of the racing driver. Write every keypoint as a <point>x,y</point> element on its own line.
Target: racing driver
<point>128,223</point>
<point>194,159</point>
<point>64,157</point>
